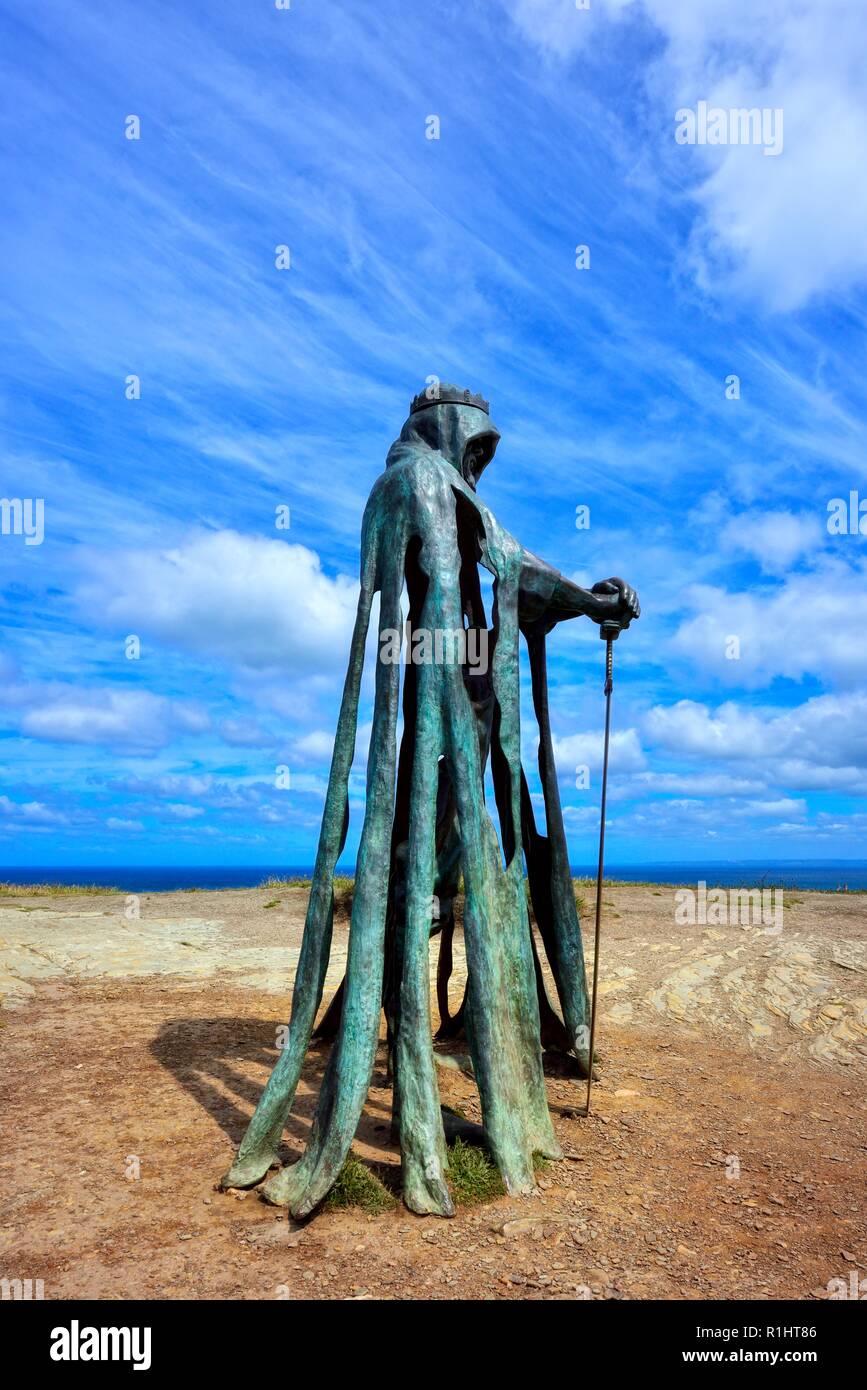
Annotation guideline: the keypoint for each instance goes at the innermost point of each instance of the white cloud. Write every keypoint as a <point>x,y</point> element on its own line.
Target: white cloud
<point>780,806</point>
<point>780,229</point>
<point>118,823</point>
<point>559,28</point>
<point>182,811</point>
<point>776,539</point>
<point>172,784</point>
<point>31,812</point>
<point>315,747</point>
<point>692,729</point>
<point>817,776</point>
<point>694,784</point>
<point>249,601</point>
<point>585,750</point>
<point>133,719</point>
<point>244,733</point>
<point>827,733</point>
<point>809,625</point>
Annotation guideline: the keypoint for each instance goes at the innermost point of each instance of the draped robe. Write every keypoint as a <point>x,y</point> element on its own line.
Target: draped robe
<point>426,825</point>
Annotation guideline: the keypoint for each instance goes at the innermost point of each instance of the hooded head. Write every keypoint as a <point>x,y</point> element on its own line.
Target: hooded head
<point>454,423</point>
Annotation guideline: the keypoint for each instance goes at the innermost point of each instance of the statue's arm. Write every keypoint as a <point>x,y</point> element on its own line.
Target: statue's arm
<point>547,597</point>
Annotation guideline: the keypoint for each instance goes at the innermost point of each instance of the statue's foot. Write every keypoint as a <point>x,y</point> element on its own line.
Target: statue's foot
<point>551,1149</point>
<point>455,1061</point>
<point>247,1171</point>
<point>427,1193</point>
<point>425,1202</point>
<point>582,1056</point>
<point>285,1188</point>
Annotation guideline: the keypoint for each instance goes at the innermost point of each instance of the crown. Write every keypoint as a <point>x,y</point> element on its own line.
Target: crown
<point>440,393</point>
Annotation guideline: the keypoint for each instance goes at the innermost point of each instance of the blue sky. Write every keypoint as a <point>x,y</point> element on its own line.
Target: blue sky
<point>264,387</point>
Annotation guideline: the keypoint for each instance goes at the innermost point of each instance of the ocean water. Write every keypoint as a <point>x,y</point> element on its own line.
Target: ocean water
<point>829,875</point>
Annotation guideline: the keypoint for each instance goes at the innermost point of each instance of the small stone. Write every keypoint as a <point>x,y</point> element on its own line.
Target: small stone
<point>521,1227</point>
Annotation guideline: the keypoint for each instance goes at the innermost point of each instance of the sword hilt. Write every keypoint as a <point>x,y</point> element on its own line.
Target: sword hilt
<point>609,631</point>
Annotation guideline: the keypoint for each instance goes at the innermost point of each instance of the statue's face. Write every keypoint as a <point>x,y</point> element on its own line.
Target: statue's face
<point>461,433</point>
<point>477,455</point>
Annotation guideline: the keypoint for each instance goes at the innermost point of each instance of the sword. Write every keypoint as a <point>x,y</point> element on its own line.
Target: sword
<point>609,631</point>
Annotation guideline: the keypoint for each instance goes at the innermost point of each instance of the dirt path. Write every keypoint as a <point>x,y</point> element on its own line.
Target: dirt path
<point>724,1158</point>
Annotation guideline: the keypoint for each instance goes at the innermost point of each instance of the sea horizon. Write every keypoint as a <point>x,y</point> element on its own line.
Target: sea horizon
<point>827,875</point>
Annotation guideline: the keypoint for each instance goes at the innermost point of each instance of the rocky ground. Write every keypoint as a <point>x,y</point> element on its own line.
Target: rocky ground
<point>726,1154</point>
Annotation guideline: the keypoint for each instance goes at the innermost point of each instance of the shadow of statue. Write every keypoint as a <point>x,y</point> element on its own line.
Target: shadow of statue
<point>223,1062</point>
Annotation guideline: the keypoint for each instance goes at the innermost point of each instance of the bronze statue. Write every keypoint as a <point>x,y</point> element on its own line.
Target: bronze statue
<point>427,827</point>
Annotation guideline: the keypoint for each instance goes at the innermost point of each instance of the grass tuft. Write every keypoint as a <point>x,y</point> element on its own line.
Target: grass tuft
<point>50,890</point>
<point>358,1186</point>
<point>344,887</point>
<point>473,1176</point>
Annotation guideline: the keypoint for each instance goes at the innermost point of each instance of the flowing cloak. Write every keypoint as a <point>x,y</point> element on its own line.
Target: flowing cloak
<point>425,531</point>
